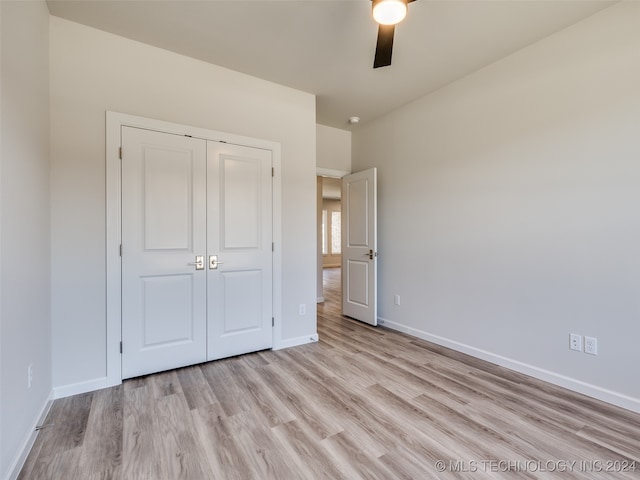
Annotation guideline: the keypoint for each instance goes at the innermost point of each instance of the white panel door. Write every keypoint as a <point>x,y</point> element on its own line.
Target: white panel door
<point>239,241</point>
<point>163,231</point>
<point>359,249</point>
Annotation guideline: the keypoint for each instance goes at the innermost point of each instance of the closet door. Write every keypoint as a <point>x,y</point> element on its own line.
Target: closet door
<point>239,249</point>
<point>163,251</point>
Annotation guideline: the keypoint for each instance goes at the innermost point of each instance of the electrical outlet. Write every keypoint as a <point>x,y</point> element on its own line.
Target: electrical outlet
<point>575,342</point>
<point>591,345</point>
<point>29,375</point>
<point>302,309</point>
<point>396,299</point>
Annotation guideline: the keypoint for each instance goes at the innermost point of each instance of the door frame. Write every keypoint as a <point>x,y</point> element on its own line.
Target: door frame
<point>114,123</point>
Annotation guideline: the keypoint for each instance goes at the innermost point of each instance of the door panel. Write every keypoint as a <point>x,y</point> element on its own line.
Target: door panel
<point>359,249</point>
<point>240,202</point>
<point>358,212</point>
<point>163,229</point>
<point>166,310</point>
<point>167,182</point>
<point>241,299</point>
<point>239,227</point>
<point>358,282</point>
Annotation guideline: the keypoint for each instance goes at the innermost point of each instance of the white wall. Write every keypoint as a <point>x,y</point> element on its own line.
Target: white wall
<point>509,215</point>
<point>333,148</point>
<point>25,320</point>
<point>91,72</point>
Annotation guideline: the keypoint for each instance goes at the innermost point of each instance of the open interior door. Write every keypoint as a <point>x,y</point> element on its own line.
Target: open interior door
<point>359,249</point>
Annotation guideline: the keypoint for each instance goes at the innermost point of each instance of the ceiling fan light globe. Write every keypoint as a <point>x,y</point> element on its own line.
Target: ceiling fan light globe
<point>389,12</point>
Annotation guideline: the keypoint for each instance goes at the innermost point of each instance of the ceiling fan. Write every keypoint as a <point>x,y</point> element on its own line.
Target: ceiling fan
<point>387,13</point>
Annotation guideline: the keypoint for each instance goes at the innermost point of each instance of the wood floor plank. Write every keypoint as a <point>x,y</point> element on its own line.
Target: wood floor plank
<point>303,450</point>
<point>102,447</point>
<point>196,389</point>
<point>266,403</point>
<point>223,453</point>
<point>225,387</point>
<point>362,403</point>
<point>354,460</point>
<point>184,457</point>
<point>346,407</point>
<point>262,448</point>
<point>545,438</point>
<point>314,361</point>
<point>141,435</point>
<point>63,464</point>
<point>612,440</point>
<point>406,465</point>
<point>68,420</point>
<point>500,442</point>
<point>165,384</point>
<point>316,415</point>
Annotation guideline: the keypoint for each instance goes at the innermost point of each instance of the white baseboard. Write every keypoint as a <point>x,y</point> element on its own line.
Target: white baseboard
<point>82,387</point>
<point>614,398</point>
<point>27,443</point>
<point>320,300</point>
<point>294,342</point>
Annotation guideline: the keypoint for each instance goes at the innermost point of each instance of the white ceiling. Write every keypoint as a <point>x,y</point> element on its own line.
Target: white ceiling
<point>326,47</point>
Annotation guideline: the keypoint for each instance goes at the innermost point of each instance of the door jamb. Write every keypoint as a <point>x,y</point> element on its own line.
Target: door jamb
<point>114,123</point>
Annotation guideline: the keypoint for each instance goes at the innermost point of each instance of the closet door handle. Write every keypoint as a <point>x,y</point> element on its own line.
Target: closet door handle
<point>213,262</point>
<point>199,263</point>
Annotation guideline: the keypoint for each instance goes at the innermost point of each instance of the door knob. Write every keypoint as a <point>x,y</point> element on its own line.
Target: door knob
<point>199,263</point>
<point>213,262</point>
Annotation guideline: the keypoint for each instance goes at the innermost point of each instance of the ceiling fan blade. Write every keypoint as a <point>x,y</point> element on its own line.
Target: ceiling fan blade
<point>384,46</point>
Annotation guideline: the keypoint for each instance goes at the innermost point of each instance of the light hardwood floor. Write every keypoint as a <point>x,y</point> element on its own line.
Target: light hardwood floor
<point>363,402</point>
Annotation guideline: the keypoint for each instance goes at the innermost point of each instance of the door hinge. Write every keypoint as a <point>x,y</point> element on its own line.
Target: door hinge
<point>120,249</point>
<point>273,321</point>
<point>120,153</point>
<point>120,347</point>
<point>273,172</point>
<point>273,247</point>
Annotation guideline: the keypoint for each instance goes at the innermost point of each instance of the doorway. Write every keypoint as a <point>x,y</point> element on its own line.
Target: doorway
<point>330,235</point>
<point>358,240</point>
